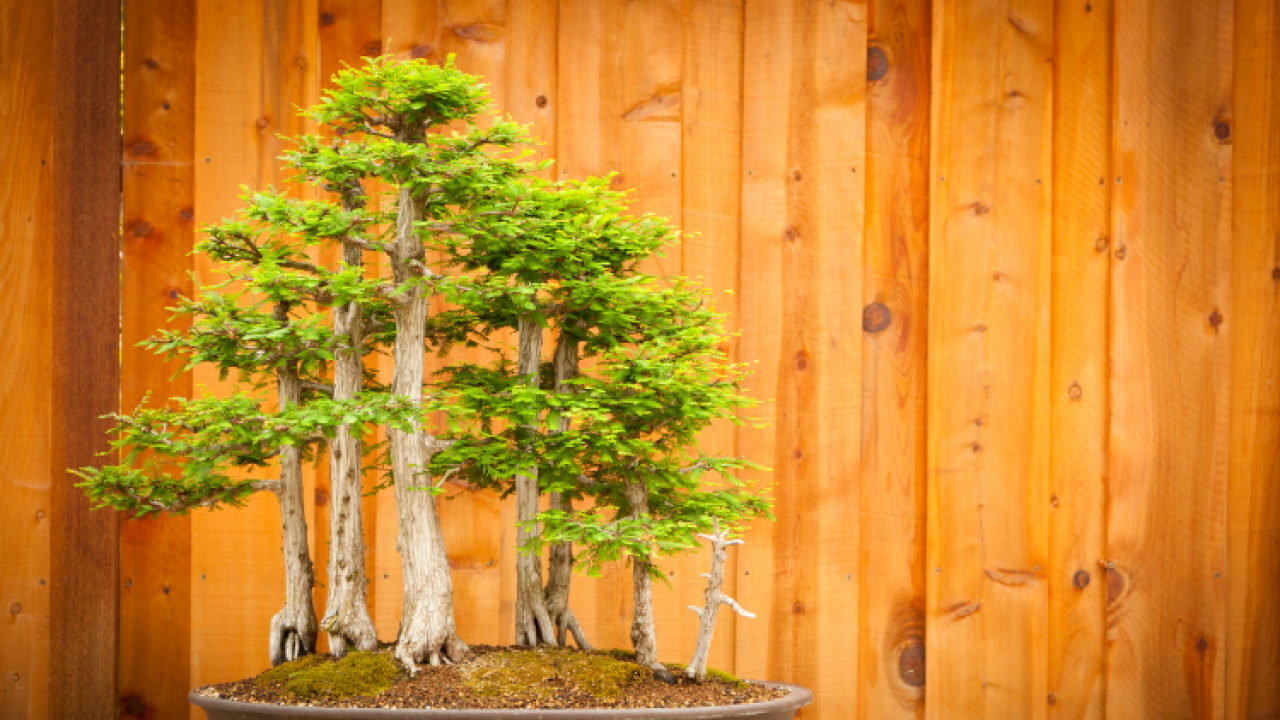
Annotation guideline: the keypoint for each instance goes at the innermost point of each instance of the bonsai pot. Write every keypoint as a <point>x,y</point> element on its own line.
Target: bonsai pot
<point>783,708</point>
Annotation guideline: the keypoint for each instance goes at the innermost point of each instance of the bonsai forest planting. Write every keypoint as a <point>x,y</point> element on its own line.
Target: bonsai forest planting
<point>583,389</point>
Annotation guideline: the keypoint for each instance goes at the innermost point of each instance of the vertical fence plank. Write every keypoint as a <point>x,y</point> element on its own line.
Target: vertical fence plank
<point>891,657</point>
<point>1253,612</point>
<point>989,311</point>
<point>711,187</point>
<point>26,80</point>
<point>159,135</point>
<point>1170,358</point>
<point>804,117</point>
<point>84,353</point>
<point>1079,386</point>
<point>255,63</point>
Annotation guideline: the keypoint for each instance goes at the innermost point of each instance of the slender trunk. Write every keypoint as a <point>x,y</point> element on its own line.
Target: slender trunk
<point>643,638</point>
<point>427,630</point>
<point>697,668</point>
<point>560,568</point>
<point>347,613</point>
<point>533,623</point>
<point>293,629</point>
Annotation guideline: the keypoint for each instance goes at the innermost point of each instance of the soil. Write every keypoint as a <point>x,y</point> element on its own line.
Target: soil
<point>511,677</point>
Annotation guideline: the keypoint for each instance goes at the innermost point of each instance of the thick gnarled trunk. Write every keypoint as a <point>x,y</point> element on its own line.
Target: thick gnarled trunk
<point>560,566</point>
<point>294,628</point>
<point>533,623</point>
<point>427,630</point>
<point>346,617</point>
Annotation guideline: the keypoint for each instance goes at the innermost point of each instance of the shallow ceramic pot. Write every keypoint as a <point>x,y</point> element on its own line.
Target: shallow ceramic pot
<point>781,709</point>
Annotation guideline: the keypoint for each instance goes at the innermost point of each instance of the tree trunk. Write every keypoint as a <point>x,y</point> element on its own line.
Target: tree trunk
<point>293,629</point>
<point>427,630</point>
<point>347,614</point>
<point>697,668</point>
<point>560,569</point>
<point>533,623</point>
<point>643,638</point>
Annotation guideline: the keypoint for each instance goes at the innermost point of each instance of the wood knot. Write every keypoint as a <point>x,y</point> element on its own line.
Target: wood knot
<point>797,608</point>
<point>911,665</point>
<point>327,18</point>
<point>1053,699</point>
<point>477,32</point>
<point>142,229</point>
<point>802,360</point>
<point>142,148</point>
<point>540,101</point>
<point>1222,131</point>
<point>133,705</point>
<point>1075,392</point>
<point>16,609</point>
<point>322,497</point>
<point>797,176</point>
<point>980,209</point>
<point>417,52</point>
<point>976,448</point>
<point>1202,646</point>
<point>1121,252</point>
<point>876,317</point>
<point>1215,319</point>
<point>797,454</point>
<point>150,64</point>
<point>877,64</point>
<point>1054,501</point>
<point>1275,274</point>
<point>166,589</point>
<point>262,123</point>
<point>1081,579</point>
<point>790,234</point>
<point>1100,244</point>
<point>172,293</point>
<point>372,48</point>
<point>1115,585</point>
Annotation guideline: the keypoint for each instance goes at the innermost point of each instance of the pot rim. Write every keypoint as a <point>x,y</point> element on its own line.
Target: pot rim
<point>797,697</point>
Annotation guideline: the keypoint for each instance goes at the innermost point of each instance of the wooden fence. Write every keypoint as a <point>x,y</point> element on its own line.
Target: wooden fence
<point>1007,269</point>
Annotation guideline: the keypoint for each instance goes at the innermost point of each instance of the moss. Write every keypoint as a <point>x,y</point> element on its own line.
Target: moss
<point>719,676</point>
<point>316,677</point>
<point>620,654</point>
<point>539,672</point>
<point>282,673</point>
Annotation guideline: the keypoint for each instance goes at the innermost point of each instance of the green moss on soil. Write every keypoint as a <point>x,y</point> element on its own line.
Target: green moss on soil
<point>540,672</point>
<point>317,678</point>
<point>712,674</point>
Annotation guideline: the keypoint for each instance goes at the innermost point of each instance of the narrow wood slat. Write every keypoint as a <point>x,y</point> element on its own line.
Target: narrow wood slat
<point>1253,610</point>
<point>891,650</point>
<point>159,136</point>
<point>26,269</point>
<point>711,190</point>
<point>84,352</point>
<point>249,82</point>
<point>804,120</point>
<point>1166,544</point>
<point>989,340</point>
<point>1078,389</point>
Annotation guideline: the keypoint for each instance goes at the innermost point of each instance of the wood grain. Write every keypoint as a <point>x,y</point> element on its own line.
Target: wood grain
<point>84,354</point>
<point>1078,388</point>
<point>26,219</point>
<point>1171,360</point>
<point>711,192</point>
<point>804,119</point>
<point>1253,610</point>
<point>891,650</point>
<point>989,340</point>
<point>159,136</point>
<point>248,83</point>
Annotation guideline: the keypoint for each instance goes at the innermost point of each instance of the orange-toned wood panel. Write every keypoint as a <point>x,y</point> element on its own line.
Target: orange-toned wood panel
<point>711,192</point>
<point>1078,388</point>
<point>26,79</point>
<point>1166,544</point>
<point>891,647</point>
<point>255,63</point>
<point>804,119</point>
<point>1253,612</point>
<point>989,341</point>
<point>159,134</point>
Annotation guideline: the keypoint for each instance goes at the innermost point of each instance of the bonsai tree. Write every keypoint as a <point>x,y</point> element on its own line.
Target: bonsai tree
<point>564,258</point>
<point>261,325</point>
